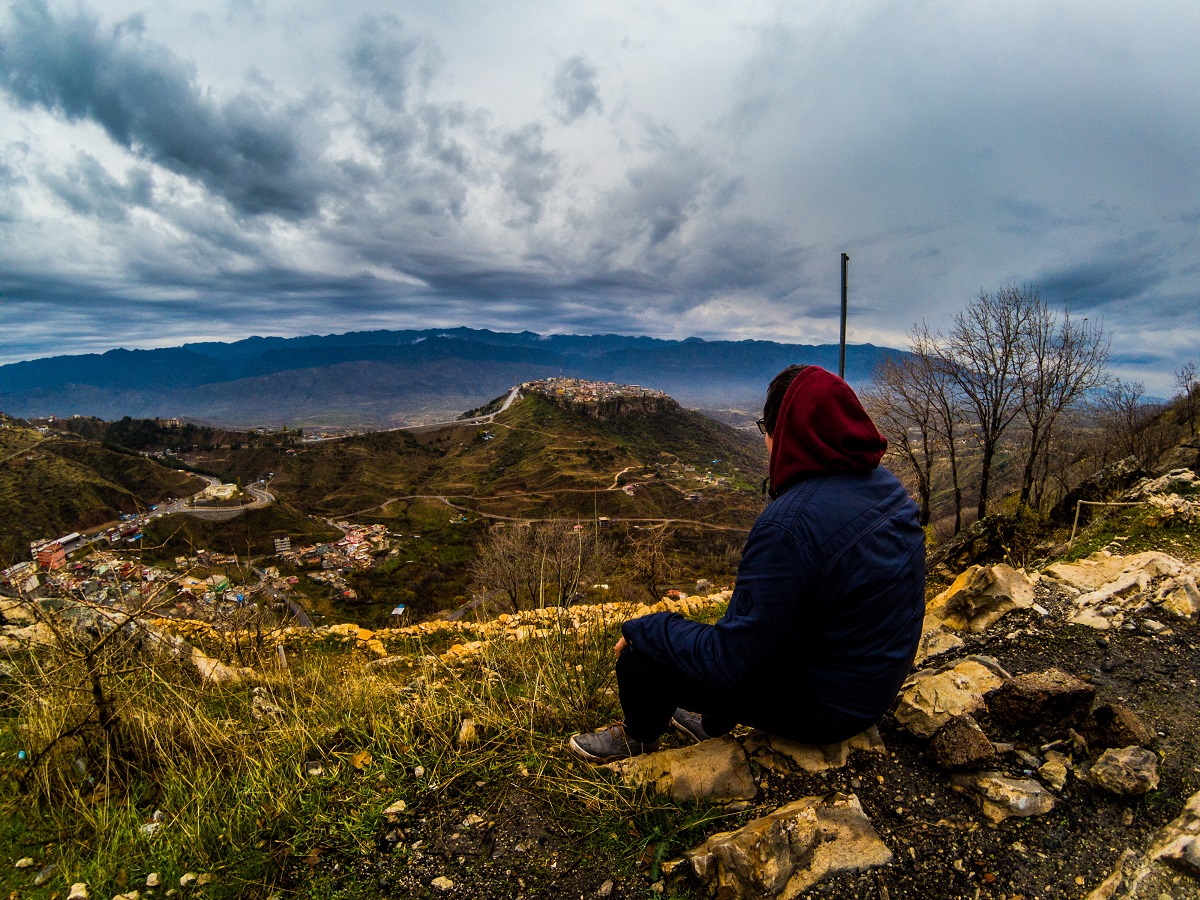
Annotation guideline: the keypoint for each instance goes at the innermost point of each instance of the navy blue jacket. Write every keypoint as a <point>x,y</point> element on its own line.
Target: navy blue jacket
<point>826,613</point>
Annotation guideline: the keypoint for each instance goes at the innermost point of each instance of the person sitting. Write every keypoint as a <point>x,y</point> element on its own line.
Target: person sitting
<point>826,612</point>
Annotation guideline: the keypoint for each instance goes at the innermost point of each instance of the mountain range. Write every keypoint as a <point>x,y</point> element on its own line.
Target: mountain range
<point>390,378</point>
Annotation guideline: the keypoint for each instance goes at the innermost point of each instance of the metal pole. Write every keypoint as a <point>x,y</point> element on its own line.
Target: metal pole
<point>842,351</point>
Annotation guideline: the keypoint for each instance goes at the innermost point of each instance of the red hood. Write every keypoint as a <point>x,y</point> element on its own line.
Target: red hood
<point>821,429</point>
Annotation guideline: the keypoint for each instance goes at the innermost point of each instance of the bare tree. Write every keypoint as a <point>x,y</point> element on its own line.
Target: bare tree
<point>903,407</point>
<point>1129,422</point>
<point>1063,360</point>
<point>986,354</point>
<point>1189,393</point>
<point>649,565</point>
<point>947,404</point>
<point>539,565</point>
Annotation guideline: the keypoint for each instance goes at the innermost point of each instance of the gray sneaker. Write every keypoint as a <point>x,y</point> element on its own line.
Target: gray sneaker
<point>608,744</point>
<point>689,724</point>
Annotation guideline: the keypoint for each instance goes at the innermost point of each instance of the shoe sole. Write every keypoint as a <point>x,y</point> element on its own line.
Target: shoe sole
<point>590,757</point>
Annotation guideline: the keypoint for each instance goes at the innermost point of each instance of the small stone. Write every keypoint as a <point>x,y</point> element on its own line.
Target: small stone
<point>45,875</point>
<point>395,810</point>
<point>1127,817</point>
<point>187,878</point>
<point>25,862</point>
<point>961,744</point>
<point>419,772</point>
<point>442,883</point>
<point>1128,772</point>
<point>1001,797</point>
<point>606,889</point>
<point>467,734</point>
<point>206,878</point>
<point>313,768</point>
<point>472,820</point>
<point>153,880</point>
<point>150,829</point>
<point>1054,771</point>
<point>79,891</point>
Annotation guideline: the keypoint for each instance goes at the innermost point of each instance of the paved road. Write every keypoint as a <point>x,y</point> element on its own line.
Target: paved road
<point>474,420</point>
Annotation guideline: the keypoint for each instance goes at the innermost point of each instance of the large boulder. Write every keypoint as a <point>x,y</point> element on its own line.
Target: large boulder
<point>785,853</point>
<point>931,698</point>
<point>1104,570</point>
<point>980,596</point>
<point>711,770</point>
<point>1041,702</point>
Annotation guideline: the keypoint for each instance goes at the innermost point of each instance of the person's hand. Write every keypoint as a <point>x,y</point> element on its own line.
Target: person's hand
<point>620,647</point>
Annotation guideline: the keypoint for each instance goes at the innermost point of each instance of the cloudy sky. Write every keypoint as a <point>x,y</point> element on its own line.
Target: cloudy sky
<point>191,170</point>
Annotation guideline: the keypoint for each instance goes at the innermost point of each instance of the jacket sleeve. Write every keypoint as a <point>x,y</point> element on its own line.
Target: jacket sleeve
<point>770,607</point>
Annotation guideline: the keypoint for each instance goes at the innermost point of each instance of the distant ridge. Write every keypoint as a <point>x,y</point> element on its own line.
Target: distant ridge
<point>387,378</point>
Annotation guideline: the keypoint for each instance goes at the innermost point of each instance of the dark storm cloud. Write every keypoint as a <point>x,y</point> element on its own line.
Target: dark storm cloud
<point>88,189</point>
<point>1118,276</point>
<point>146,99</point>
<point>576,89</point>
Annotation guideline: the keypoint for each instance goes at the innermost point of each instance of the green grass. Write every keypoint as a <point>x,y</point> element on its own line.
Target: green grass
<point>233,791</point>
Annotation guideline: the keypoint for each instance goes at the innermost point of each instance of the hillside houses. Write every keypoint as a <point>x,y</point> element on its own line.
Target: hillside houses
<point>578,390</point>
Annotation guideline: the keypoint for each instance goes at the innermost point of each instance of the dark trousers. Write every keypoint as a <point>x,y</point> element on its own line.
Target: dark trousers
<point>651,691</point>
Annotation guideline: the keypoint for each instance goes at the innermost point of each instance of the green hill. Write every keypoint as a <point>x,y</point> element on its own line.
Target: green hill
<point>53,483</point>
<point>442,488</point>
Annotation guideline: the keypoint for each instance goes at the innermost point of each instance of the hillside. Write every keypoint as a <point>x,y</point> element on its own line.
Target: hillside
<point>389,378</point>
<point>443,488</point>
<point>1047,746</point>
<point>53,483</point>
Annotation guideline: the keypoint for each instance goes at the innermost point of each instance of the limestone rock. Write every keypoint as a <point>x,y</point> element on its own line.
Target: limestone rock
<point>467,734</point>
<point>935,640</point>
<point>785,853</point>
<point>1001,797</point>
<point>712,770</point>
<point>931,698</point>
<point>1149,876</point>
<point>1115,725</point>
<point>961,744</point>
<point>79,891</point>
<point>1041,701</point>
<point>442,883</point>
<point>980,596</point>
<point>16,612</point>
<point>1100,569</point>
<point>1180,597</point>
<point>1128,772</point>
<point>1054,770</point>
<point>262,708</point>
<point>781,755</point>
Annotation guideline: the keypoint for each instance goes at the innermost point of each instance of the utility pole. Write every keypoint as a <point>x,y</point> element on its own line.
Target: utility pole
<point>842,352</point>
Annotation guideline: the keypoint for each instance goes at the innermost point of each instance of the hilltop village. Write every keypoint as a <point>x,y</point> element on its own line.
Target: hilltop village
<point>580,391</point>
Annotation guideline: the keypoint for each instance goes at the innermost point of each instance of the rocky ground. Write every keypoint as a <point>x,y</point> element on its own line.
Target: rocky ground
<point>1044,748</point>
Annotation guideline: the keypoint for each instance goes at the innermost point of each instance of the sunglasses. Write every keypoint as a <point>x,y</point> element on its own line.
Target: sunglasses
<point>762,425</point>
